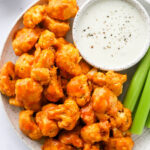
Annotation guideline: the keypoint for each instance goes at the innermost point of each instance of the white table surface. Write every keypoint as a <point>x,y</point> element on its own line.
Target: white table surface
<point>9,10</point>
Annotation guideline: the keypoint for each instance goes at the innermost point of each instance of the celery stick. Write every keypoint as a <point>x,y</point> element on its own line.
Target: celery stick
<point>137,83</point>
<point>142,109</point>
<point>148,121</point>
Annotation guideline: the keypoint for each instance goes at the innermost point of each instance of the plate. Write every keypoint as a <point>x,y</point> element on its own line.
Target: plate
<point>141,142</point>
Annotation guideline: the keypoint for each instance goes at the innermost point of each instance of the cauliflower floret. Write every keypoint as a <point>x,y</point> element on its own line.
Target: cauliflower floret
<point>120,144</point>
<point>48,127</point>
<point>25,40</point>
<point>62,9</point>
<point>8,79</point>
<point>47,39</point>
<point>28,125</point>
<point>122,120</point>
<point>79,90</point>
<point>54,91</point>
<point>44,58</point>
<point>34,16</point>
<point>104,101</point>
<point>59,28</point>
<point>96,132</point>
<point>52,144</point>
<point>43,61</point>
<point>72,138</point>
<point>97,78</point>
<point>87,114</point>
<point>23,65</point>
<point>67,60</point>
<point>116,133</point>
<point>28,93</point>
<point>60,42</point>
<point>91,147</point>
<point>66,114</point>
<point>41,75</point>
<point>115,81</point>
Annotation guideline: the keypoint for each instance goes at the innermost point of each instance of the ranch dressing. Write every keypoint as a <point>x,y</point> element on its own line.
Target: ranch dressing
<point>111,32</point>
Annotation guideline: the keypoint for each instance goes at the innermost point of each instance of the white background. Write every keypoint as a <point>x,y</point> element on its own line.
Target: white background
<point>9,10</point>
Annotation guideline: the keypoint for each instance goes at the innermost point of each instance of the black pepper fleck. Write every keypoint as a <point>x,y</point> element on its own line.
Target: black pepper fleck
<point>89,34</point>
<point>125,39</point>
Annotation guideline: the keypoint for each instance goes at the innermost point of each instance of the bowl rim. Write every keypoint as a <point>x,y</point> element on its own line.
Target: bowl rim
<point>142,11</point>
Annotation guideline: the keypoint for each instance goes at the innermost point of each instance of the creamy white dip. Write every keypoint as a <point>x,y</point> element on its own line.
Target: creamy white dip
<point>111,32</point>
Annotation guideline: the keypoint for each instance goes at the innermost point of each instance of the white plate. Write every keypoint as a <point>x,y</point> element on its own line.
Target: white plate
<point>141,142</point>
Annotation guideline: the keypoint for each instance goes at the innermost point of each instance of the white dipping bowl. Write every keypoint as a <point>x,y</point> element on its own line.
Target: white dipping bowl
<point>129,63</point>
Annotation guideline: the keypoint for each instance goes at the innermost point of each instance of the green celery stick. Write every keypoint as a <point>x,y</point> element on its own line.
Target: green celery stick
<point>137,83</point>
<point>148,121</point>
<point>142,109</point>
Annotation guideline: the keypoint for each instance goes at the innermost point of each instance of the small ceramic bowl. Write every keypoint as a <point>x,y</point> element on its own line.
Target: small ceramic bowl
<point>103,66</point>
